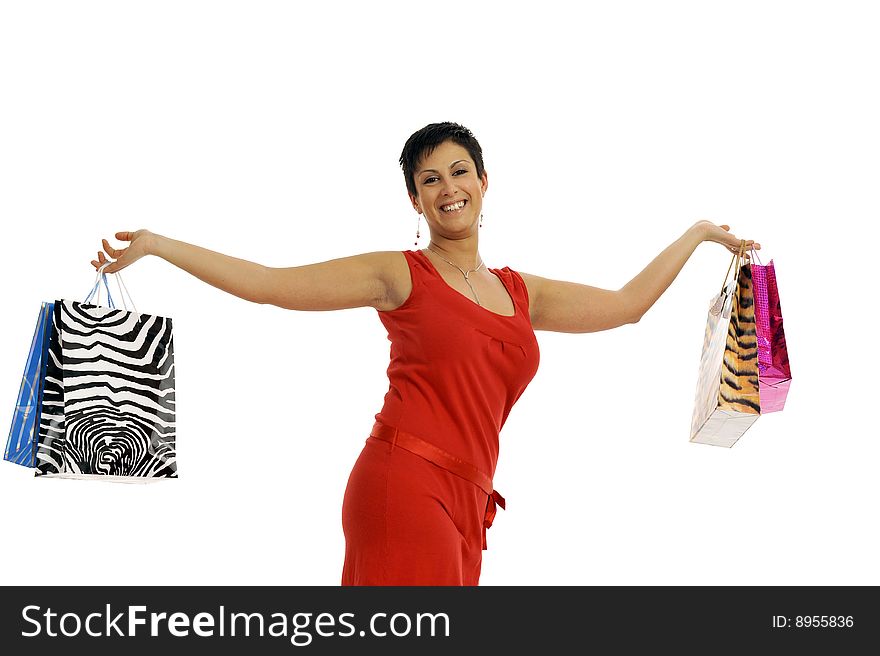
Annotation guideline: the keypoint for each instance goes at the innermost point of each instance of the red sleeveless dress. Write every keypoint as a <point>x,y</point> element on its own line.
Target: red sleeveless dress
<point>419,498</point>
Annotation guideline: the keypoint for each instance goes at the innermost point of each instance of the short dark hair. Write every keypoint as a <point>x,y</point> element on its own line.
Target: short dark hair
<point>423,143</point>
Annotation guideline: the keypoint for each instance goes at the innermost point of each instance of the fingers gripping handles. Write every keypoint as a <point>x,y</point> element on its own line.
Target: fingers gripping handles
<point>97,287</point>
<point>740,259</point>
<point>722,303</point>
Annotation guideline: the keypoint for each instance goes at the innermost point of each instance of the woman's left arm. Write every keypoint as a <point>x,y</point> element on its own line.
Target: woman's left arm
<point>574,308</point>
<point>642,292</point>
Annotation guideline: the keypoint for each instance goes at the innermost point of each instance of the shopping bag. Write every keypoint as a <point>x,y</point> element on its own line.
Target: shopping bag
<point>108,402</point>
<point>774,372</point>
<point>727,400</point>
<point>21,443</point>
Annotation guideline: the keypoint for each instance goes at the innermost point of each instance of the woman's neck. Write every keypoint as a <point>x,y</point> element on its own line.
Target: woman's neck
<point>463,252</point>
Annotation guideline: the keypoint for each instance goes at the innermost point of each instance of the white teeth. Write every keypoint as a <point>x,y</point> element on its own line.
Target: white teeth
<point>453,207</point>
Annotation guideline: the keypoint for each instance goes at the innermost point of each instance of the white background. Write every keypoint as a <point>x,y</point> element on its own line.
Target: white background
<point>271,131</point>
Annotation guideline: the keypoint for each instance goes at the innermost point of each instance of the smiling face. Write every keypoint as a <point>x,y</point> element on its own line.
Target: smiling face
<point>445,177</point>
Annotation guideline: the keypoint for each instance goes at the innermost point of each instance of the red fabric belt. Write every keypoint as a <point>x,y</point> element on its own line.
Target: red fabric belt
<point>445,460</point>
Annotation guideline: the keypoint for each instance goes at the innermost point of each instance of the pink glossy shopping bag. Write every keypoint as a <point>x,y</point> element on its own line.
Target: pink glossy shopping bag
<point>774,372</point>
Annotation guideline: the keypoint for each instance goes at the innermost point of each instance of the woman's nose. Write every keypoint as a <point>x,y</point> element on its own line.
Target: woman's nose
<point>448,189</point>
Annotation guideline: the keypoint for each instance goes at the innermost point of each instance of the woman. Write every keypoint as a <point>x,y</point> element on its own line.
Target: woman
<point>420,498</point>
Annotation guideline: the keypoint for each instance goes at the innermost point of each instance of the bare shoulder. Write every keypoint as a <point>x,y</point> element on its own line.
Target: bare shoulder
<point>396,279</point>
<point>533,288</point>
<point>571,307</point>
<point>391,272</point>
<point>368,279</point>
<point>533,283</point>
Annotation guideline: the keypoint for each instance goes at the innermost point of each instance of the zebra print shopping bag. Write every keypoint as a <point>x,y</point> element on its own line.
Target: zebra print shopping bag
<point>108,402</point>
<point>727,401</point>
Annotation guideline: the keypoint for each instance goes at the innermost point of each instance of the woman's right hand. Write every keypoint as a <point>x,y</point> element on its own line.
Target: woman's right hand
<point>140,241</point>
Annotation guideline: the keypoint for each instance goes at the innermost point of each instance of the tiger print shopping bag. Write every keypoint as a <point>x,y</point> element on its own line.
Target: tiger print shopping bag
<point>108,402</point>
<point>727,400</point>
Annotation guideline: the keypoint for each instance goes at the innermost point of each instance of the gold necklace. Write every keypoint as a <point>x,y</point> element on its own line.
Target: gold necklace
<point>465,274</point>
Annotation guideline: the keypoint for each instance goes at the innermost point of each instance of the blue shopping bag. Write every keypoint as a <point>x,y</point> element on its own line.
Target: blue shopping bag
<point>21,445</point>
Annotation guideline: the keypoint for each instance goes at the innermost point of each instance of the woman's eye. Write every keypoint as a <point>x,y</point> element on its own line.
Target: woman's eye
<point>434,177</point>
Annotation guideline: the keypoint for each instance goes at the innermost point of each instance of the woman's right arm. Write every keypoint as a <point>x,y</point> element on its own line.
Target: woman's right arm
<point>348,282</point>
<point>247,280</point>
<point>361,280</point>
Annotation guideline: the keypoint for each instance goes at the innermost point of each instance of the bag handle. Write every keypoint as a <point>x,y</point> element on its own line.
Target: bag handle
<point>755,255</point>
<point>120,283</point>
<point>736,257</point>
<point>97,287</point>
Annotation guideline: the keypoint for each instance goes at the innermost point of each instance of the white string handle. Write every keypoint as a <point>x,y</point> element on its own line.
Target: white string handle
<point>120,283</point>
<point>97,287</point>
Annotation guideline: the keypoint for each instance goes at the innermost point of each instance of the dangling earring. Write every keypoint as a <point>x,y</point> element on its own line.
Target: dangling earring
<point>418,225</point>
<point>481,219</point>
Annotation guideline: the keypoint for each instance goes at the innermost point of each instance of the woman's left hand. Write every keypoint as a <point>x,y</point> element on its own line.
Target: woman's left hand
<point>708,231</point>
